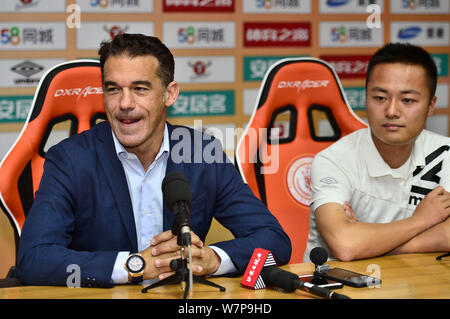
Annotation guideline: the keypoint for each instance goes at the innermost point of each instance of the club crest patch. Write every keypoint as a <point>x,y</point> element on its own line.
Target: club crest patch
<point>298,180</point>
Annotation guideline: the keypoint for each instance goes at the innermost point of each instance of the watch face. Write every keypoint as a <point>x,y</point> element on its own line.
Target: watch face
<point>135,264</point>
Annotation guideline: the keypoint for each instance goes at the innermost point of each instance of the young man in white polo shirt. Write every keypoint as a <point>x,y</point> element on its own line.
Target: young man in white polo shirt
<point>385,189</point>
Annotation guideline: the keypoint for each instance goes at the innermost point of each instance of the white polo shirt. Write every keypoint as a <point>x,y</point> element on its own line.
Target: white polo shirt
<point>352,170</point>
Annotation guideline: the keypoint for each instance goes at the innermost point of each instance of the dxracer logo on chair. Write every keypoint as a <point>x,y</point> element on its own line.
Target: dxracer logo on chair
<point>79,92</point>
<point>303,85</point>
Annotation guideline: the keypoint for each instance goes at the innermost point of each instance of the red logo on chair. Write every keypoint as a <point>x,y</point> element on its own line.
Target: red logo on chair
<point>298,180</point>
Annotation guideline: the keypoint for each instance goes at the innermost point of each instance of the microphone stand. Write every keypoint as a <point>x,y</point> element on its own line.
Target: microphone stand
<point>183,275</point>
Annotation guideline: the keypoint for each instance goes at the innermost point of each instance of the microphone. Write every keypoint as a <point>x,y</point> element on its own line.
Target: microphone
<point>289,282</point>
<point>319,256</point>
<point>262,272</point>
<point>177,196</point>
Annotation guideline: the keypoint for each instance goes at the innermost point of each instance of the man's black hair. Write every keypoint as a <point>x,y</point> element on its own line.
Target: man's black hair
<point>134,45</point>
<point>408,54</point>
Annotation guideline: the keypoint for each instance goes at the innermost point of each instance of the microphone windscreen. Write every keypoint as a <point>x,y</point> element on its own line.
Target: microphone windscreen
<point>318,255</point>
<point>277,277</point>
<point>175,187</point>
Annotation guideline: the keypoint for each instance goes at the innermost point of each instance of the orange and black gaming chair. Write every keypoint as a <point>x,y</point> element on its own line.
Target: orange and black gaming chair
<point>305,90</point>
<point>71,91</point>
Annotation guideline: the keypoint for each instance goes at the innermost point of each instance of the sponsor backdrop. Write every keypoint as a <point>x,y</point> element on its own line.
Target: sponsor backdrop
<point>222,48</point>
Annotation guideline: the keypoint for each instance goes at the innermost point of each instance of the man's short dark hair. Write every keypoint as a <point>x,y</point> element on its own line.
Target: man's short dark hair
<point>408,54</point>
<point>133,45</point>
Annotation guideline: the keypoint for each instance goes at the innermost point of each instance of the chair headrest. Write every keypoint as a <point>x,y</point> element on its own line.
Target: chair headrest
<point>73,87</point>
<point>301,85</point>
<point>300,82</point>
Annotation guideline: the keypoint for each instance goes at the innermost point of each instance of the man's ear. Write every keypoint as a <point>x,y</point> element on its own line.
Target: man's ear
<point>431,107</point>
<point>171,93</point>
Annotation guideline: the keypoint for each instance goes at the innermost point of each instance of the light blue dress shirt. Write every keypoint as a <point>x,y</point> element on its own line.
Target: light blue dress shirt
<point>146,198</point>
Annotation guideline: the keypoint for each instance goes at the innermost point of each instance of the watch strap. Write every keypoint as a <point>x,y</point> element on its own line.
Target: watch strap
<point>137,279</point>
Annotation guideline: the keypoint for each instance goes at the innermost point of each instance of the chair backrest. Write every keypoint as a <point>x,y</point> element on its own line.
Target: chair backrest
<point>308,92</point>
<point>71,91</point>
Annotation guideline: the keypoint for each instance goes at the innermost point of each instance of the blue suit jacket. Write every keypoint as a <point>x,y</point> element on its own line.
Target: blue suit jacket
<point>82,214</point>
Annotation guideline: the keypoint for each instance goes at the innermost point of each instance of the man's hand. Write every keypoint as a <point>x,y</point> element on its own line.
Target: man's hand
<point>434,208</point>
<point>164,249</point>
<point>351,215</point>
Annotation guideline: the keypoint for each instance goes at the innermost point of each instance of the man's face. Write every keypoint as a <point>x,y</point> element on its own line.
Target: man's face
<point>136,101</point>
<point>397,103</point>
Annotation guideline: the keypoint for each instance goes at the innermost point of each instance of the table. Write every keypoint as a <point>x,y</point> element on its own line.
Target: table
<point>417,276</point>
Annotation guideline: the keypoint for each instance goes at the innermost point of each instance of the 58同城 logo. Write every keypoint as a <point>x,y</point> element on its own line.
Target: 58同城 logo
<point>16,35</point>
<point>10,36</point>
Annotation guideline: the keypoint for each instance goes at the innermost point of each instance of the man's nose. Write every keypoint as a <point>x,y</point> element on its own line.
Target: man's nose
<point>393,109</point>
<point>126,99</point>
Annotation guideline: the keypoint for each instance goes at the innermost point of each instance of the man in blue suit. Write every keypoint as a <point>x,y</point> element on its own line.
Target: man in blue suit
<point>99,207</point>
